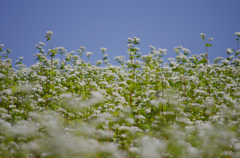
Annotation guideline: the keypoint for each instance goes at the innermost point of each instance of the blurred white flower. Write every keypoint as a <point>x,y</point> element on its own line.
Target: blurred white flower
<point>210,39</point>
<point>49,32</point>
<point>66,96</point>
<point>104,49</point>
<point>88,53</point>
<point>237,33</point>
<point>202,35</point>
<point>230,50</point>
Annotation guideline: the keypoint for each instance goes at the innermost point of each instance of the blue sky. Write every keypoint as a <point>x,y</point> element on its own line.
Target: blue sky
<point>108,23</point>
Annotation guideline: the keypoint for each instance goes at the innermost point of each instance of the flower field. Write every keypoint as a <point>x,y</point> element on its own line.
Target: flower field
<point>142,108</point>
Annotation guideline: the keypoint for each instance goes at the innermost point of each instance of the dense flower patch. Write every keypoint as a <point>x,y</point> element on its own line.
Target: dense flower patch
<point>141,108</point>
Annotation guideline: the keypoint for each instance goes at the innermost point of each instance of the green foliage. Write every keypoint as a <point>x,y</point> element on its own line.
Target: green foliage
<point>187,108</point>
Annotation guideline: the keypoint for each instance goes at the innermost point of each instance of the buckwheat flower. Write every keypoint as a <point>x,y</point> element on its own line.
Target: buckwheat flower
<point>237,145</point>
<point>230,50</point>
<point>136,39</point>
<point>209,101</point>
<point>12,106</point>
<point>152,47</point>
<point>75,57</point>
<point>88,53</point>
<point>9,50</point>
<point>134,150</point>
<point>140,116</point>
<point>130,39</point>
<point>2,75</point>
<point>99,62</point>
<point>82,48</point>
<point>41,43</point>
<point>237,33</point>
<point>105,55</point>
<point>5,116</point>
<point>41,100</point>
<point>232,56</point>
<point>152,147</point>
<point>202,35</point>
<point>42,78</point>
<point>210,39</point>
<point>186,50</point>
<point>73,52</point>
<point>67,96</point>
<point>21,58</point>
<point>96,97</point>
<point>136,48</point>
<point>2,45</point>
<point>130,120</point>
<point>106,60</point>
<point>130,45</point>
<point>49,32</point>
<point>7,91</point>
<point>163,50</point>
<point>3,53</point>
<point>147,111</point>
<point>104,49</point>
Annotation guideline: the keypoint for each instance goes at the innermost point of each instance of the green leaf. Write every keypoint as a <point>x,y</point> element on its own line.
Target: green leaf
<point>208,45</point>
<point>134,66</point>
<point>51,72</point>
<point>204,60</point>
<point>131,86</point>
<point>159,84</point>
<point>54,52</point>
<point>236,54</point>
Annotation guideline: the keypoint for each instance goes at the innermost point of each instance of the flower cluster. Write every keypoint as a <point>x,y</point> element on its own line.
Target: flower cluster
<point>141,108</point>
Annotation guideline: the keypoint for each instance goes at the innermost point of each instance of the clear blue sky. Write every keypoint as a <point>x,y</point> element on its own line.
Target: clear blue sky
<point>108,23</point>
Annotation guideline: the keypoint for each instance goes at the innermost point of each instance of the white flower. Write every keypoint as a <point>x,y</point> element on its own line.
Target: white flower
<point>152,47</point>
<point>99,62</point>
<point>130,39</point>
<point>186,50</point>
<point>41,43</point>
<point>225,61</point>
<point>136,39</point>
<point>68,96</point>
<point>202,35</point>
<point>41,100</point>
<point>130,45</point>
<point>82,48</point>
<point>49,32</point>
<point>12,106</point>
<point>237,146</point>
<point>2,75</point>
<point>230,50</point>
<point>104,49</point>
<point>88,53</point>
<point>140,117</point>
<point>210,39</point>
<point>134,150</point>
<point>7,91</point>
<point>148,111</point>
<point>237,33</point>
